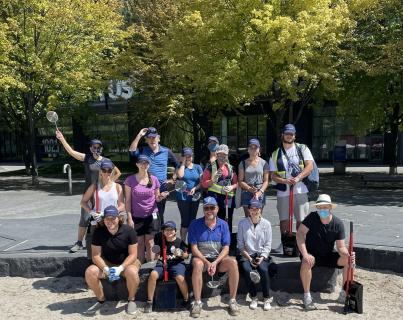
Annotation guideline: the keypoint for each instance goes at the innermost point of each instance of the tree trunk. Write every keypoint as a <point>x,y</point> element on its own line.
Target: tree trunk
<point>32,147</point>
<point>394,126</point>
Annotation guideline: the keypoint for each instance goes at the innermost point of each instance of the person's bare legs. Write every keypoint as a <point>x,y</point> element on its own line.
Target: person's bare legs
<point>81,233</point>
<point>149,243</point>
<point>131,273</point>
<point>197,278</point>
<point>183,287</point>
<point>230,265</point>
<point>306,276</point>
<point>93,276</point>
<point>140,248</point>
<point>151,284</point>
<point>184,232</point>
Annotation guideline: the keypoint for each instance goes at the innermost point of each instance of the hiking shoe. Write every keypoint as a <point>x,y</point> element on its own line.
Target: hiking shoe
<point>196,309</point>
<point>267,304</point>
<point>233,308</point>
<point>93,310</point>
<point>253,304</point>
<point>77,246</point>
<point>148,308</point>
<point>342,296</point>
<point>309,305</point>
<point>131,307</point>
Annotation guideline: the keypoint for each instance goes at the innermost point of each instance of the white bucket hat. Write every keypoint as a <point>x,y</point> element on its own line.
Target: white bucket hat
<point>324,199</point>
<point>222,148</point>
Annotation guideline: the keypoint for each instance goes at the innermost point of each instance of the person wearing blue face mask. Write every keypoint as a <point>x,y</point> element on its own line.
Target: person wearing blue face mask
<point>212,145</point>
<point>316,237</point>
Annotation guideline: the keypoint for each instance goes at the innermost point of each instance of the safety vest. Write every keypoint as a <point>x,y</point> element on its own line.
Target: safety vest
<point>216,187</point>
<point>279,164</point>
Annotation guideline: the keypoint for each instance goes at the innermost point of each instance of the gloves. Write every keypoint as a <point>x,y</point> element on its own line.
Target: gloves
<point>106,271</point>
<point>97,216</point>
<point>227,189</point>
<point>178,252</point>
<point>114,273</point>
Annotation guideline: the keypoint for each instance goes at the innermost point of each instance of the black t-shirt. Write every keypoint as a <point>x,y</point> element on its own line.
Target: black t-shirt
<point>115,248</point>
<point>321,238</point>
<point>171,246</point>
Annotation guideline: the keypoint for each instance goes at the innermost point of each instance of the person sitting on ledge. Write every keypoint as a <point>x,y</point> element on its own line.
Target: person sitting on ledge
<point>316,237</point>
<point>114,254</point>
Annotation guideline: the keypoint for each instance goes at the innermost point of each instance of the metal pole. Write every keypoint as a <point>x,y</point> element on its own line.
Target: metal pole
<point>67,169</point>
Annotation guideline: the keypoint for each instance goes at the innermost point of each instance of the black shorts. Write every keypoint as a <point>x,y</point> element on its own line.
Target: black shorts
<point>329,261</point>
<point>148,225</point>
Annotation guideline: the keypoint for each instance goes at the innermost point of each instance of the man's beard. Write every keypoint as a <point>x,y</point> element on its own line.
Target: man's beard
<point>287,142</point>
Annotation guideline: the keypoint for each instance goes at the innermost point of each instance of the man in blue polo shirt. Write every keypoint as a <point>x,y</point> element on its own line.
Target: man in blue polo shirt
<point>210,238</point>
<point>159,157</point>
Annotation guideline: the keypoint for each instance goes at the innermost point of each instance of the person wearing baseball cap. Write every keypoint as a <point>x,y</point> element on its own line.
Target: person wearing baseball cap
<point>316,239</point>
<point>254,243</point>
<point>160,157</point>
<point>114,255</point>
<point>92,167</point>
<point>176,252</point>
<point>253,176</point>
<point>188,200</point>
<point>289,165</point>
<point>220,180</point>
<point>209,238</point>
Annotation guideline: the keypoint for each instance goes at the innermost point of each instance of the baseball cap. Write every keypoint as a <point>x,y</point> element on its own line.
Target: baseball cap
<point>111,211</point>
<point>254,142</point>
<point>95,141</point>
<point>255,203</point>
<point>143,157</point>
<point>151,132</point>
<point>209,201</point>
<point>289,128</point>
<point>107,164</point>
<point>187,151</point>
<point>213,138</point>
<point>169,224</point>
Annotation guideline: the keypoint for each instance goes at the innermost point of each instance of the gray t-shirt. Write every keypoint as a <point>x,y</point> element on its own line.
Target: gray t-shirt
<point>253,176</point>
<point>92,167</point>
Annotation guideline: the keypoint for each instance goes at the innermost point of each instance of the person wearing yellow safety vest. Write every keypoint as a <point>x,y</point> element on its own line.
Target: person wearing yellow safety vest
<point>288,166</point>
<point>221,181</point>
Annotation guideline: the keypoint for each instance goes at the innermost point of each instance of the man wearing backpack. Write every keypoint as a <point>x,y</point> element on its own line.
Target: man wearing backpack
<point>288,166</point>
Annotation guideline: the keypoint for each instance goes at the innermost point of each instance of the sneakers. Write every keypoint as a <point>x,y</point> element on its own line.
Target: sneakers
<point>196,309</point>
<point>77,246</point>
<point>131,307</point>
<point>148,307</point>
<point>342,296</point>
<point>309,305</point>
<point>92,311</point>
<point>267,304</point>
<point>253,304</point>
<point>233,308</point>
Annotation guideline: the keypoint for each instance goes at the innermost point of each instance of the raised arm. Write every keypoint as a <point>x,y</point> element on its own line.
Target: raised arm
<point>135,142</point>
<point>75,154</point>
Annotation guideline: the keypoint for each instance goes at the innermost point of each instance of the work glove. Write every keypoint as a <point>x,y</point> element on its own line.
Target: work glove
<point>97,216</point>
<point>114,273</point>
<point>227,189</point>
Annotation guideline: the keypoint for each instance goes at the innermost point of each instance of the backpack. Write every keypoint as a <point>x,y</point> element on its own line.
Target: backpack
<point>311,181</point>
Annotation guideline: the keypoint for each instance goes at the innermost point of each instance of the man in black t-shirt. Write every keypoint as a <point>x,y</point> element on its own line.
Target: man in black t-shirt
<point>176,252</point>
<point>114,254</point>
<point>316,237</point>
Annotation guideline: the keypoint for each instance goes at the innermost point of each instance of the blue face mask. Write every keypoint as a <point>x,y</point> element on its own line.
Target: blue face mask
<point>324,213</point>
<point>213,147</point>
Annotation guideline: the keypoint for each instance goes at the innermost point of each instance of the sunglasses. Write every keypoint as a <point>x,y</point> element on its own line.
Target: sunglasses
<point>107,170</point>
<point>208,208</point>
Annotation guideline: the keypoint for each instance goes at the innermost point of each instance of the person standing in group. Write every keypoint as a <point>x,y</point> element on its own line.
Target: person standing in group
<point>159,157</point>
<point>92,165</point>
<point>190,173</point>
<point>254,243</point>
<point>220,180</point>
<point>105,193</point>
<point>253,176</point>
<point>212,144</point>
<point>289,165</point>
<point>142,194</point>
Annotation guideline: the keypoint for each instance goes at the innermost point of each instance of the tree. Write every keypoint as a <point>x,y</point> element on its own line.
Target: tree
<point>240,51</point>
<point>54,53</point>
<point>373,76</point>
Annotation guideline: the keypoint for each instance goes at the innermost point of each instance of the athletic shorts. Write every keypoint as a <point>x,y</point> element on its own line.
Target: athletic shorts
<point>329,261</point>
<point>174,269</point>
<point>147,225</point>
<point>301,207</point>
<point>85,217</point>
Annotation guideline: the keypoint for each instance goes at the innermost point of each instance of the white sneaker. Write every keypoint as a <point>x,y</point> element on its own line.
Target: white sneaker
<point>267,304</point>
<point>253,304</point>
<point>342,296</point>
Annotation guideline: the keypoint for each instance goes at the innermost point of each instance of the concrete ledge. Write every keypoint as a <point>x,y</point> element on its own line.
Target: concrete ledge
<point>379,259</point>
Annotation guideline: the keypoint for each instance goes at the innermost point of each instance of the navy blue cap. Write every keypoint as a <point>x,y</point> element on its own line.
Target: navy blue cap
<point>151,132</point>
<point>254,142</point>
<point>111,211</point>
<point>209,201</point>
<point>169,224</point>
<point>95,141</point>
<point>213,138</point>
<point>255,203</point>
<point>187,151</point>
<point>289,128</point>
<point>143,157</point>
<point>107,164</point>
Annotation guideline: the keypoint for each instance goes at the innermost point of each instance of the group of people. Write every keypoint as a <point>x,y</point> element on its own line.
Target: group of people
<point>118,248</point>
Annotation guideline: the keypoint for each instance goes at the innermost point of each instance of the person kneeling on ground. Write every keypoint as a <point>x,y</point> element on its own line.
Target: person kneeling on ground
<point>209,238</point>
<point>114,254</point>
<point>316,237</point>
<point>176,253</point>
<point>254,243</point>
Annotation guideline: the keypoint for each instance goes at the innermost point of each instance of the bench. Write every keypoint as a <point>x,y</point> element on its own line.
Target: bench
<point>381,178</point>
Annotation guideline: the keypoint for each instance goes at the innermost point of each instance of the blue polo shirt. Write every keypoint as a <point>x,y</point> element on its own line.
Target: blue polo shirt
<point>209,241</point>
<point>159,161</point>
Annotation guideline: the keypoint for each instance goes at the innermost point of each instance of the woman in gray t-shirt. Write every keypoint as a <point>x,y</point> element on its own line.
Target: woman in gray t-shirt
<point>253,176</point>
